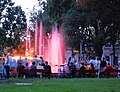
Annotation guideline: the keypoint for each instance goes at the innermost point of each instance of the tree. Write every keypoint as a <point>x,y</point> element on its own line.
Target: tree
<point>108,22</point>
<point>99,22</point>
<point>93,21</point>
<point>56,8</point>
<point>13,23</point>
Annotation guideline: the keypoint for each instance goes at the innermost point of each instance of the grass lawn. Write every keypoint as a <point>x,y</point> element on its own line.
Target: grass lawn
<point>63,85</point>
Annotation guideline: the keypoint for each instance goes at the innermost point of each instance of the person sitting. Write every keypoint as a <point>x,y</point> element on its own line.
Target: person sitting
<point>27,74</point>
<point>92,68</point>
<point>66,70</point>
<point>82,70</point>
<point>19,70</point>
<point>33,67</point>
<point>13,67</point>
<point>72,68</point>
<point>87,68</point>
<point>39,66</point>
<point>108,69</point>
<point>48,68</point>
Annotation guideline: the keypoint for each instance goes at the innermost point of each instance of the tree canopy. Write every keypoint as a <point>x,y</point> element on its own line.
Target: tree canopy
<point>12,24</point>
<point>94,22</point>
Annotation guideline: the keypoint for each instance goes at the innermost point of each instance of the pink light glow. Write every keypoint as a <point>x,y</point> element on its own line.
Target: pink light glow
<point>28,43</point>
<point>36,38</point>
<point>40,39</point>
<point>56,50</point>
<point>51,47</point>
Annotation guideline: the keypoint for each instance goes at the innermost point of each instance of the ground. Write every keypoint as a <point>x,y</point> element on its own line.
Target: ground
<point>62,85</point>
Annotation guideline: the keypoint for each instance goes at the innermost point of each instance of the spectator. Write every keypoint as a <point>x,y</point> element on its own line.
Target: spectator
<point>73,70</point>
<point>39,66</point>
<point>108,68</point>
<point>25,62</point>
<point>93,61</point>
<point>92,68</point>
<point>66,70</point>
<point>87,73</point>
<point>33,66</point>
<point>13,67</point>
<point>7,66</point>
<point>19,69</point>
<point>19,61</point>
<point>42,61</point>
<point>35,59</point>
<point>98,63</point>
<point>27,74</point>
<point>71,59</point>
<point>82,70</point>
<point>48,68</point>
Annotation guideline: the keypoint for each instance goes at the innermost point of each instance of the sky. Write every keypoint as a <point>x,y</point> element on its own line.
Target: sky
<point>26,5</point>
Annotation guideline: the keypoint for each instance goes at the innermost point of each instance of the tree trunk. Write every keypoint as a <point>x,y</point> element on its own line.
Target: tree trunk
<point>98,49</point>
<point>113,45</point>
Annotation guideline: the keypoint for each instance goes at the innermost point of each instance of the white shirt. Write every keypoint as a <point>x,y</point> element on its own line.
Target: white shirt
<point>40,67</point>
<point>94,62</point>
<point>35,60</point>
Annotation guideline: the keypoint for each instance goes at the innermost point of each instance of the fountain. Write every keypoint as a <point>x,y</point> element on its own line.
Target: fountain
<point>36,38</point>
<point>50,47</point>
<point>28,43</point>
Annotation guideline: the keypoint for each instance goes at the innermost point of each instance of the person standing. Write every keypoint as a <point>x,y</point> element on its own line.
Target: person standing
<point>20,61</point>
<point>71,59</point>
<point>35,59</point>
<point>25,62</point>
<point>42,61</point>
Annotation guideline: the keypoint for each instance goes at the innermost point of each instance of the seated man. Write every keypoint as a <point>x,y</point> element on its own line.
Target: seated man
<point>47,67</point>
<point>19,70</point>
<point>33,67</point>
<point>82,70</point>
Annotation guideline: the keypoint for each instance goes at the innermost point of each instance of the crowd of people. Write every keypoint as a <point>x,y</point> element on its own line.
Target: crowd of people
<point>12,67</point>
<point>94,64</point>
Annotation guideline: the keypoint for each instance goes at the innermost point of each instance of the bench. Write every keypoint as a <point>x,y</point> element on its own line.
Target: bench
<point>33,72</point>
<point>110,73</point>
<point>87,73</point>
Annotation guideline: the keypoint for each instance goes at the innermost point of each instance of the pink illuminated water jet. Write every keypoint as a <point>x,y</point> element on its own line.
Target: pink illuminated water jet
<point>51,47</point>
<point>36,38</point>
<point>41,39</point>
<point>28,43</point>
